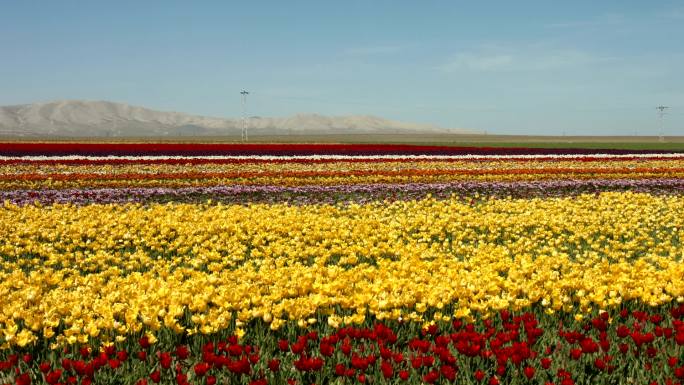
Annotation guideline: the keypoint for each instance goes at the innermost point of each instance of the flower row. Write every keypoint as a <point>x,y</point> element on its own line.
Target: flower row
<point>347,193</point>
<point>341,174</point>
<point>319,158</point>
<point>53,170</point>
<point>291,181</point>
<point>629,345</point>
<point>73,273</point>
<point>170,149</point>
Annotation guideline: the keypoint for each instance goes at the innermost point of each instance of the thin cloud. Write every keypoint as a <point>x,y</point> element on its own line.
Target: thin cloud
<point>603,21</point>
<point>372,50</point>
<point>509,60</point>
<point>478,62</point>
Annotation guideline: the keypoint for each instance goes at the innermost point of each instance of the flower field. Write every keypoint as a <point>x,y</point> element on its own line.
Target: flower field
<point>339,264</point>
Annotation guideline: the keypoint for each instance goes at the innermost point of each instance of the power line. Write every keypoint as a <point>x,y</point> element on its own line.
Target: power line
<point>244,94</point>
<point>661,117</point>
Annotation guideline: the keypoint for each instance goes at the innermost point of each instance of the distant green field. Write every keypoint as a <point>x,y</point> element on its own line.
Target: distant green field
<point>672,143</point>
<point>597,142</point>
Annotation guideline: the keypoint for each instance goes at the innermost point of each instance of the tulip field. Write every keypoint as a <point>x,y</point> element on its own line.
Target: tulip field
<point>192,263</point>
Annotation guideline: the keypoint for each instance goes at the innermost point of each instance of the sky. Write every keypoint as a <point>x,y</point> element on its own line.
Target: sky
<point>504,67</point>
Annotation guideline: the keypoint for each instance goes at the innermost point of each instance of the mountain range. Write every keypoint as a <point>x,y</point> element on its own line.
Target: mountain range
<point>80,118</point>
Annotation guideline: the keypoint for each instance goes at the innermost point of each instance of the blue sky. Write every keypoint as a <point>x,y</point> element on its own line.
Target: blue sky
<point>525,67</point>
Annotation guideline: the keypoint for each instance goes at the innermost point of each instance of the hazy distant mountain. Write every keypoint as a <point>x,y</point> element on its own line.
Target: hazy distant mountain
<point>77,118</point>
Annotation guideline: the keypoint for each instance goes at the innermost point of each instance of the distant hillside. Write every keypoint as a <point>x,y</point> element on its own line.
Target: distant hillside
<point>77,118</point>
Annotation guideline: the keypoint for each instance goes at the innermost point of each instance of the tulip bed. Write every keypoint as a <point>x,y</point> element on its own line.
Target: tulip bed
<point>145,263</point>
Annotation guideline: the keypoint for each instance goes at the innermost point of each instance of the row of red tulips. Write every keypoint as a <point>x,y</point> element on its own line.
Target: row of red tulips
<point>627,347</point>
<point>190,160</point>
<point>52,148</point>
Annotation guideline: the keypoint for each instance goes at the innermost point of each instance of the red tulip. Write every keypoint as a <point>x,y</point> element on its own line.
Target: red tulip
<point>182,352</point>
<point>501,370</point>
<point>274,365</point>
<point>416,363</point>
<point>672,361</point>
<point>679,372</point>
<point>44,367</point>
<point>23,379</point>
<point>52,378</point>
<point>327,349</point>
<point>155,376</point>
<point>398,358</point>
<point>235,350</point>
<point>448,371</point>
<point>431,377</point>
<point>84,351</point>
<point>110,350</point>
<point>80,367</point>
<point>299,347</point>
<point>144,342</point>
<point>575,354</point>
<point>622,331</point>
<point>165,360</point>
<point>529,372</point>
<point>201,369</point>
<point>600,364</point>
<point>428,361</point>
<point>181,379</point>
<point>240,366</point>
<point>589,346</point>
<point>679,337</point>
<point>254,358</point>
<point>386,369</point>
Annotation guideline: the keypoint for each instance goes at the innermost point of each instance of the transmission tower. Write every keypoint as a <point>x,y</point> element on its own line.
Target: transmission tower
<point>244,94</point>
<point>661,122</point>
